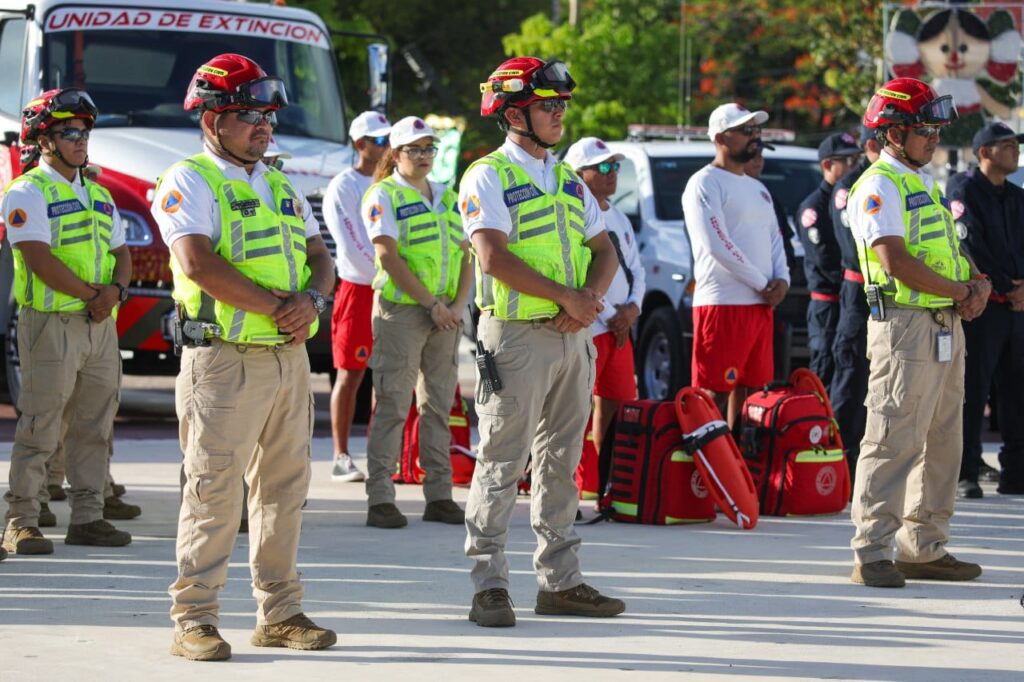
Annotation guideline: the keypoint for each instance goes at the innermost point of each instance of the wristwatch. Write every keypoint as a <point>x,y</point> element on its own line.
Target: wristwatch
<point>122,291</point>
<point>318,300</point>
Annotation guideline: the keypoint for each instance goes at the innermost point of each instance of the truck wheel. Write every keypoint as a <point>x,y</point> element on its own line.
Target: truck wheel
<point>663,362</point>
<point>12,366</point>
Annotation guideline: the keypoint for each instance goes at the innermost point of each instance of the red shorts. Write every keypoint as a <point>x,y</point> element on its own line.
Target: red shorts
<point>615,374</point>
<point>351,332</point>
<point>732,345</point>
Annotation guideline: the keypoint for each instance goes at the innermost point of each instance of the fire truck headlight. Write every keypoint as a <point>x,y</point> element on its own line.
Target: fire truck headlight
<point>136,230</point>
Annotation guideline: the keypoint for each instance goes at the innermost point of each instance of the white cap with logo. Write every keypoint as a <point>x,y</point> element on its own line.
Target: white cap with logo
<point>589,151</point>
<point>410,129</point>
<point>732,115</point>
<point>369,124</point>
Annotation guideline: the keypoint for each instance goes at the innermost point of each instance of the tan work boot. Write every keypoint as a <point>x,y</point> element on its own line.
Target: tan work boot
<point>492,609</point>
<point>200,643</point>
<point>385,515</point>
<point>582,600</point>
<point>27,540</point>
<point>878,574</point>
<point>47,519</point>
<point>57,492</point>
<point>444,511</point>
<point>117,489</point>
<point>946,568</point>
<point>298,632</point>
<point>116,510</point>
<point>97,534</point>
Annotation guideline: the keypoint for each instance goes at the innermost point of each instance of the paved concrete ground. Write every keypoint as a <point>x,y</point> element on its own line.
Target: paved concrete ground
<point>708,601</point>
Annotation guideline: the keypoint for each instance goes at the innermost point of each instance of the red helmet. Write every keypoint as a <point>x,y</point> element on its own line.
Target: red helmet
<point>230,82</point>
<point>908,102</point>
<point>54,106</point>
<point>520,81</point>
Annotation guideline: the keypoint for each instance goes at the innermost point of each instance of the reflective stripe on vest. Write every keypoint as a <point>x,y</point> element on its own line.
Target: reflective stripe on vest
<point>929,235</point>
<point>547,234</point>
<point>428,242</point>
<point>267,245</point>
<point>79,238</point>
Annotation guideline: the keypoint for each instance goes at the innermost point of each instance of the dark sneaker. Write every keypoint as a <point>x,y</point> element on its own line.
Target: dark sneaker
<point>946,568</point>
<point>878,574</point>
<point>200,643</point>
<point>582,600</point>
<point>57,492</point>
<point>385,515</point>
<point>1008,487</point>
<point>98,534</point>
<point>969,489</point>
<point>3,553</point>
<point>298,632</point>
<point>27,540</point>
<point>117,489</point>
<point>492,609</point>
<point>47,519</point>
<point>116,510</point>
<point>444,511</point>
<point>987,473</point>
<point>243,526</point>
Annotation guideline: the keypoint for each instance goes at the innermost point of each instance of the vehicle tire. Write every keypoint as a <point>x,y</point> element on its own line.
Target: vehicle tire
<point>12,366</point>
<point>662,356</point>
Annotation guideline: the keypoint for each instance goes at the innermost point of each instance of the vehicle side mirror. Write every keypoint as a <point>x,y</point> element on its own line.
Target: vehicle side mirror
<point>377,54</point>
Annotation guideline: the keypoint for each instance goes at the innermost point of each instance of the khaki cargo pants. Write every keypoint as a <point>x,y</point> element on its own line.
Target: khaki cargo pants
<point>243,410</point>
<point>408,353</point>
<point>543,407</point>
<point>910,456</point>
<point>71,376</point>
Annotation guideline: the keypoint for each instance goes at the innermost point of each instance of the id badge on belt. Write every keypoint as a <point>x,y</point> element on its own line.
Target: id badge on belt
<point>944,345</point>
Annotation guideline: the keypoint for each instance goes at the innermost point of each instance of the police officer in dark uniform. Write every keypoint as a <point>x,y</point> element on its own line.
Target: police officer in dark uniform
<point>849,350</point>
<point>837,155</point>
<point>990,220</point>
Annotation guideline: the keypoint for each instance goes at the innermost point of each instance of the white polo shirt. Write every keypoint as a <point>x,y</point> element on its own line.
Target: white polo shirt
<point>342,200</point>
<point>620,229</point>
<point>28,199</point>
<point>875,209</point>
<point>185,204</point>
<point>482,198</point>
<point>379,213</point>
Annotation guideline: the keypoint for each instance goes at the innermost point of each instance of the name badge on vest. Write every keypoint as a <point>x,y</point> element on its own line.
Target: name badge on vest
<point>410,210</point>
<point>573,189</point>
<point>247,207</point>
<point>67,207</point>
<point>520,193</point>
<point>103,207</point>
<point>918,199</point>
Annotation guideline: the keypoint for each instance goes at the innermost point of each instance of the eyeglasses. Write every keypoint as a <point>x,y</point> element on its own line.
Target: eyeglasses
<point>553,105</point>
<point>927,130</point>
<point>254,117</point>
<point>73,134</point>
<point>747,130</point>
<point>606,167</point>
<point>420,152</point>
<point>380,140</point>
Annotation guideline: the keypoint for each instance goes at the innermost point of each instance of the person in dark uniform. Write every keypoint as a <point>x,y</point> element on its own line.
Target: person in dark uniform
<point>837,154</point>
<point>989,214</point>
<point>754,168</point>
<point>849,350</point>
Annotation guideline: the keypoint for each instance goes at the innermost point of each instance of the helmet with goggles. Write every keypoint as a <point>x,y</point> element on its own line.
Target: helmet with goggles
<point>521,81</point>
<point>230,82</point>
<point>908,102</point>
<point>55,106</point>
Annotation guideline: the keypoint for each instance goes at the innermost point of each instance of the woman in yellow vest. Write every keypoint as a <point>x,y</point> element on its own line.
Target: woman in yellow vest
<point>422,285</point>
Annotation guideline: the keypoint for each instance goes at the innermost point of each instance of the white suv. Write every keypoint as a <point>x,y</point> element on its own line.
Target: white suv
<point>650,188</point>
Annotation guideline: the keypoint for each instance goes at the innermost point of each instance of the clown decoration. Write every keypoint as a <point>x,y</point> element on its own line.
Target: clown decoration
<point>961,55</point>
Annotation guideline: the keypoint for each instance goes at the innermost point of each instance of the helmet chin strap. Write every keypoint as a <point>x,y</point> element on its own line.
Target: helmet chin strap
<point>55,153</point>
<point>901,151</point>
<point>529,132</point>
<point>219,146</point>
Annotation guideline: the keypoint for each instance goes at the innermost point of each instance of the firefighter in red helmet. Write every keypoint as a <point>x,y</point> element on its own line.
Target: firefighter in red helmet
<point>250,275</point>
<point>919,285</point>
<point>543,262</point>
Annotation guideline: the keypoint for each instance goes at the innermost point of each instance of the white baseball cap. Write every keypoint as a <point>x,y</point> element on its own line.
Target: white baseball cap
<point>369,124</point>
<point>589,151</point>
<point>410,129</point>
<point>731,115</point>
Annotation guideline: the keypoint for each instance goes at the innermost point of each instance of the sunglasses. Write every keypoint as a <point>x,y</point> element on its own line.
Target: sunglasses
<point>254,117</point>
<point>747,130</point>
<point>927,130</point>
<point>553,105</point>
<point>380,140</point>
<point>420,152</point>
<point>73,134</point>
<point>607,167</point>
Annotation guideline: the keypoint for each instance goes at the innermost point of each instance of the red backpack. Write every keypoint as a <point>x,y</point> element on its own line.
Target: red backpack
<point>790,441</point>
<point>462,457</point>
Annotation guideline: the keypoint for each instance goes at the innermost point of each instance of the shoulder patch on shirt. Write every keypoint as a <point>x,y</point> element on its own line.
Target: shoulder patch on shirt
<point>873,204</point>
<point>957,208</point>
<point>573,189</point>
<point>17,218</point>
<point>103,207</point>
<point>520,193</point>
<point>410,210</point>
<point>842,195</point>
<point>376,212</point>
<point>918,199</point>
<point>809,217</point>
<point>65,207</point>
<point>471,206</point>
<point>172,201</point>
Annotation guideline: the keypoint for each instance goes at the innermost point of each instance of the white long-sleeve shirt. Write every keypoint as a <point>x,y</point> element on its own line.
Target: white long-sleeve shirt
<point>620,229</point>
<point>342,200</point>
<point>736,242</point>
